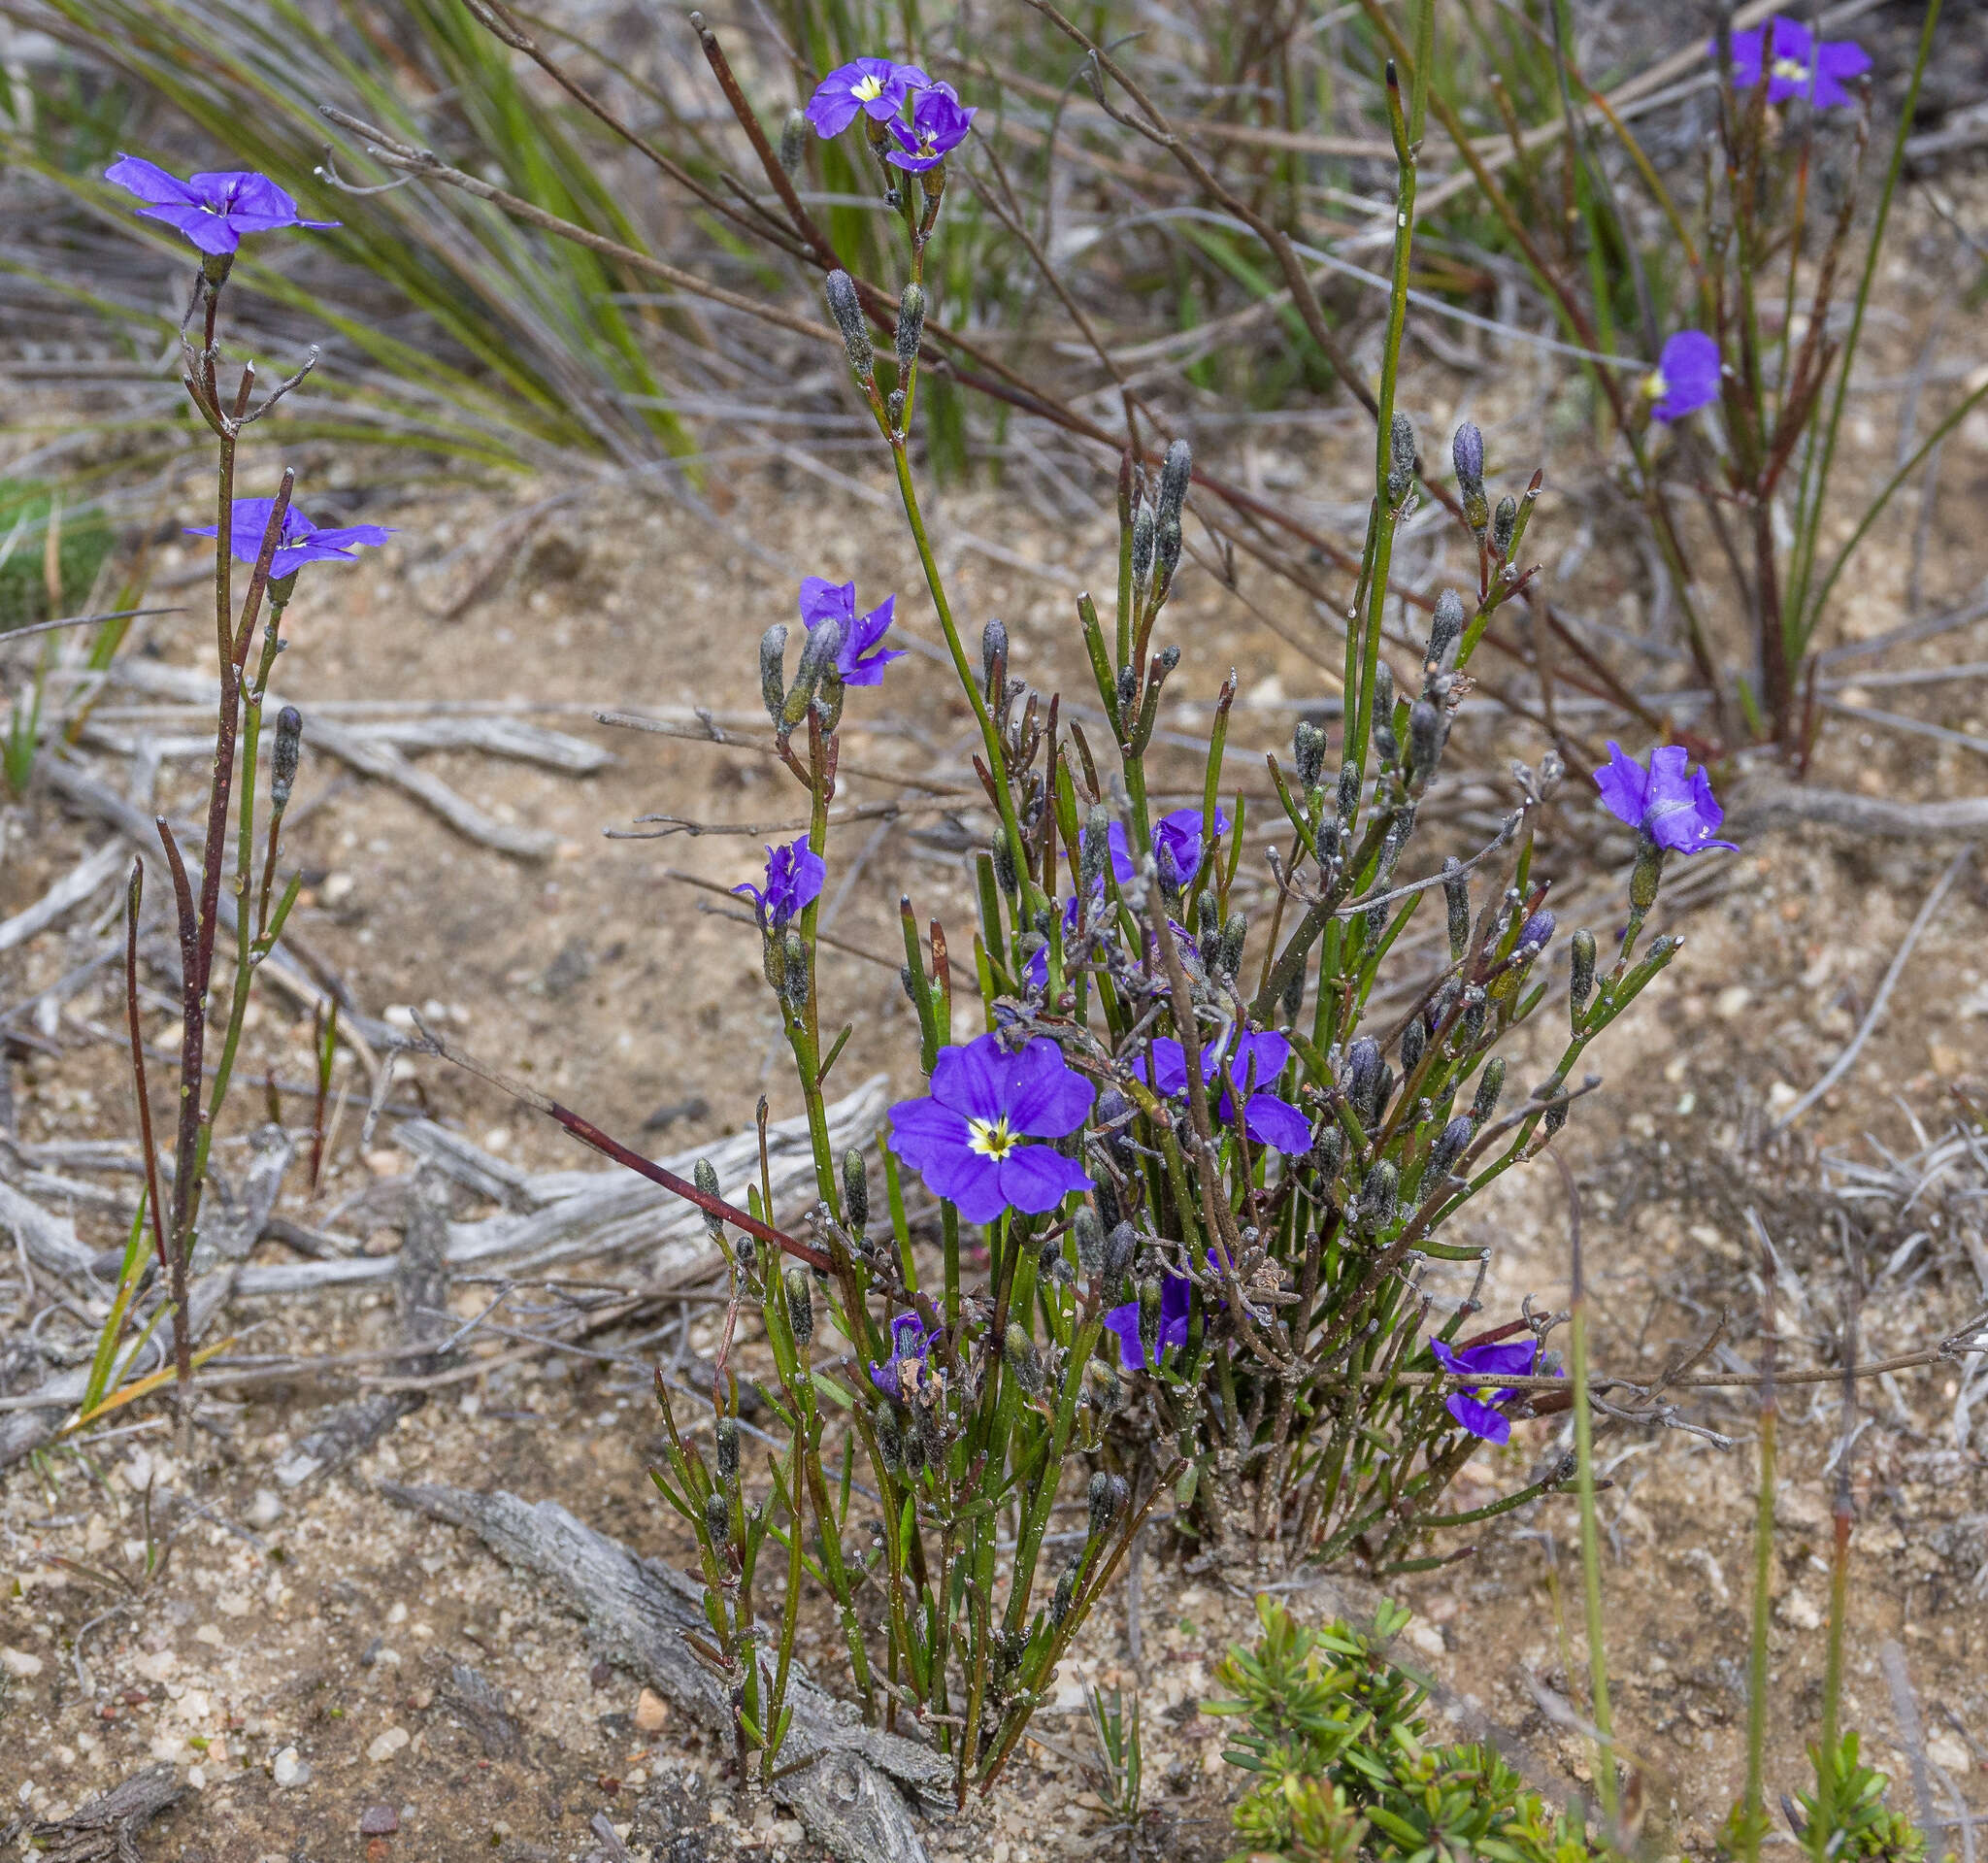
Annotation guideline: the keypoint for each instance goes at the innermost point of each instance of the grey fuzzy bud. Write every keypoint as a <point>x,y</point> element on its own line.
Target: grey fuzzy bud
<point>1328,1149</point>
<point>1141,544</point>
<point>1490,1084</point>
<point>894,409</point>
<point>726,1433</point>
<point>1107,1495</point>
<point>911,327</point>
<point>1450,1146</point>
<point>1065,1596</point>
<point>1581,983</point>
<point>1646,875</point>
<point>1118,1247</point>
<point>1114,1115</point>
<point>1052,1264</point>
<point>1504,522</point>
<point>910,982</point>
<point>1128,688</point>
<point>1446,628</point>
<point>1004,865</point>
<point>1456,895</point>
<point>1308,743</point>
<point>1401,459</point>
<point>1167,544</point>
<point>817,664</point>
<point>772,671</point>
<point>290,747</point>
<point>1175,474</point>
<point>1414,1039</point>
<point>1089,1232</point>
<point>847,308</point>
<point>1466,454</point>
<point>994,655</point>
<point>1425,739</point>
<point>1349,792</point>
<point>1110,1213</point>
<point>799,1304</point>
<point>1379,1196</point>
<point>1235,934</point>
<point>718,1518</point>
<point>1093,854</point>
<point>856,1190</point>
<point>704,1174</point>
<point>1384,746</point>
<point>1019,1349</point>
<point>1293,998</point>
<point>890,1440</point>
<point>1363,1078</point>
<point>793,141</point>
<point>794,985</point>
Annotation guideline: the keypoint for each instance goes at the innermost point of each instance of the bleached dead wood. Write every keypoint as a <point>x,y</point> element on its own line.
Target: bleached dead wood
<point>103,1829</point>
<point>72,889</point>
<point>498,737</point>
<point>851,1797</point>
<point>570,1215</point>
<point>1790,806</point>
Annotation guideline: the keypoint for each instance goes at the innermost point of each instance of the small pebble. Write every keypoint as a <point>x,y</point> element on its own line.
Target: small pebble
<point>379,1820</point>
<point>289,1770</point>
<point>266,1510</point>
<point>22,1663</point>
<point>385,1745</point>
<point>651,1713</point>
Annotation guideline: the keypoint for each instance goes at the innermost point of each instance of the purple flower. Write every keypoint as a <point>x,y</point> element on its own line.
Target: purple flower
<point>1673,806</point>
<point>793,879</point>
<point>301,541</point>
<point>910,1343</point>
<point>965,1139</point>
<point>1175,1296</point>
<point>940,123</point>
<point>213,211</point>
<point>872,87</point>
<point>1180,833</point>
<point>1251,1061</point>
<point>1476,1410</point>
<point>1798,65</point>
<point>1686,377</point>
<point>860,660</point>
<point>1535,935</point>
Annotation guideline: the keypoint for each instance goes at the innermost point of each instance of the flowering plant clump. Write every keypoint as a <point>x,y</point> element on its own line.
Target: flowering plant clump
<point>1213,1196</point>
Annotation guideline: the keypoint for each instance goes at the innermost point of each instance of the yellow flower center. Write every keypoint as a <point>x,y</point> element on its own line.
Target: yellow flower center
<point>1654,385</point>
<point>868,86</point>
<point>991,1138</point>
<point>1792,70</point>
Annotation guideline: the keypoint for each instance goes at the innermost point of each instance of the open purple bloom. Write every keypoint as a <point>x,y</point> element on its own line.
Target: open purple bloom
<point>213,211</point>
<point>1247,1062</point>
<point>940,123</point>
<point>1177,1293</point>
<point>861,658</point>
<point>872,87</point>
<point>1180,833</point>
<point>1797,64</point>
<point>1686,377</point>
<point>1477,1409</point>
<point>1673,805</point>
<point>793,879</point>
<point>301,541</point>
<point>966,1137</point>
<point>910,1343</point>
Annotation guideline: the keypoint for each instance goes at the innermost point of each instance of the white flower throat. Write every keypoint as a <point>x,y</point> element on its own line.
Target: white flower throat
<point>991,1138</point>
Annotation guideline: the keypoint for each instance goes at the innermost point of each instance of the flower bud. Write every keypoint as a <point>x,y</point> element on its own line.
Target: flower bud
<point>1466,454</point>
<point>1308,743</point>
<point>1446,628</point>
<point>1052,1264</point>
<point>1118,1247</point>
<point>994,657</point>
<point>1536,936</point>
<point>1108,1495</point>
<point>1064,1595</point>
<point>1400,459</point>
<point>793,141</point>
<point>1425,739</point>
<point>911,327</point>
<point>1490,1084</point>
<point>1167,869</point>
<point>289,747</point>
<point>1003,857</point>
<point>1504,524</point>
<point>727,1434</point>
<point>1112,1115</point>
<point>1093,854</point>
<point>1167,545</point>
<point>847,308</point>
<point>1150,1295</point>
<point>704,1174</point>
<point>1141,546</point>
<point>1456,895</point>
<point>1377,1198</point>
<point>817,662</point>
<point>1363,1079</point>
<point>1175,474</point>
<point>1581,983</point>
<point>1328,1149</point>
<point>1348,799</point>
<point>1235,935</point>
<point>1089,1233</point>
<point>1448,1147</point>
<point>718,1518</point>
<point>799,1304</point>
<point>1293,998</point>
<point>773,665</point>
<point>794,980</point>
<point>914,1448</point>
<point>1128,691</point>
<point>1019,1350</point>
<point>890,1439</point>
<point>1415,1038</point>
<point>856,1191</point>
<point>1647,872</point>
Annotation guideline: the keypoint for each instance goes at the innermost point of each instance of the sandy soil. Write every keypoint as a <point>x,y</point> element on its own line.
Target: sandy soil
<point>325,1624</point>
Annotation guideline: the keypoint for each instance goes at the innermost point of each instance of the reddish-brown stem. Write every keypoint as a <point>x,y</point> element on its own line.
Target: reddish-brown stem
<point>132,899</point>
